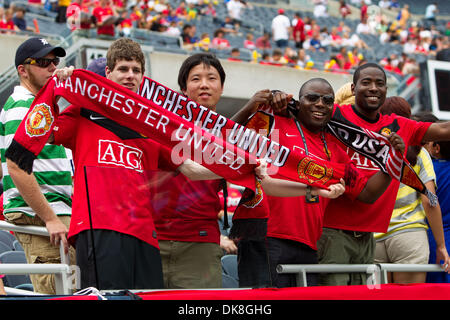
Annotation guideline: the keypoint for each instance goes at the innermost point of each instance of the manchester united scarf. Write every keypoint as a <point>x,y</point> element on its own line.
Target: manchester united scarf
<point>191,130</point>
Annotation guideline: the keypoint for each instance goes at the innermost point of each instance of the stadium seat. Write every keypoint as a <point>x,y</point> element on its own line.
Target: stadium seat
<point>14,257</point>
<point>5,247</point>
<point>17,245</point>
<point>229,266</point>
<point>7,238</point>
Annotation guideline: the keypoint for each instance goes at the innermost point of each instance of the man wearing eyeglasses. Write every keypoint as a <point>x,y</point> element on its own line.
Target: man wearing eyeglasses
<point>36,61</point>
<point>295,223</point>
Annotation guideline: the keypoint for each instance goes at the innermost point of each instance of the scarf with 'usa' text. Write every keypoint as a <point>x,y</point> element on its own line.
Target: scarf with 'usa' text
<point>375,147</point>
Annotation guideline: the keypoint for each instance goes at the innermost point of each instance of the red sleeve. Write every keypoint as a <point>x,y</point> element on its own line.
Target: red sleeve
<point>420,130</point>
<point>66,126</point>
<point>96,13</point>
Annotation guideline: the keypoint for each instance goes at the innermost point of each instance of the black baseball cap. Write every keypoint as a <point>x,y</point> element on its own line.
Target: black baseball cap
<point>36,48</point>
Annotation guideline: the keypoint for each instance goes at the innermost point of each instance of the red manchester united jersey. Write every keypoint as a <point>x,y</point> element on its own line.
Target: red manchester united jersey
<point>113,165</point>
<point>342,213</point>
<point>292,217</point>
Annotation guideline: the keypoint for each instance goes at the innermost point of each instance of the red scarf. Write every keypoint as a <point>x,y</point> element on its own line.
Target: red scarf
<point>171,119</point>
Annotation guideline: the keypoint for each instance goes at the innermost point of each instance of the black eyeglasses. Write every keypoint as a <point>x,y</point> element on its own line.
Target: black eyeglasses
<point>314,97</point>
<point>42,62</point>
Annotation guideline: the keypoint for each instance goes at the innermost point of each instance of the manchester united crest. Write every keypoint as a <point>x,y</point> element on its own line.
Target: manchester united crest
<point>257,198</point>
<point>39,120</point>
<point>313,172</point>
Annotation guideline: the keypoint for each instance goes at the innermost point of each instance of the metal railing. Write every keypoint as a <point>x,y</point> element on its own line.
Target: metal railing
<point>376,273</point>
<point>398,267</point>
<point>301,270</point>
<point>65,274</point>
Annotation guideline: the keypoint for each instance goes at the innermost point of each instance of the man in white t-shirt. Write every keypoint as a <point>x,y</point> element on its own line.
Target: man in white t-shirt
<point>281,29</point>
<point>235,9</point>
<point>430,11</point>
<point>363,28</point>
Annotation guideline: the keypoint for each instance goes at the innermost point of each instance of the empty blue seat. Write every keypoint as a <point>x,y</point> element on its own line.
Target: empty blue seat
<point>7,238</point>
<point>14,281</point>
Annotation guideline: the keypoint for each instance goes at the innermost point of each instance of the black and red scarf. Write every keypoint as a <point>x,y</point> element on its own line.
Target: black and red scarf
<point>192,131</point>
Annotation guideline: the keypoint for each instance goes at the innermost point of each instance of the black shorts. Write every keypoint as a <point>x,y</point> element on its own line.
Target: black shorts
<point>121,261</point>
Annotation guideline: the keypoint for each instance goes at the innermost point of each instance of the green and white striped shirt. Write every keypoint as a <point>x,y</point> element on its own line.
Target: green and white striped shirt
<point>52,167</point>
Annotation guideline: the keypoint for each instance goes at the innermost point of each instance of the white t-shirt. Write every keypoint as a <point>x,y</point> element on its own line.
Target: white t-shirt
<point>280,27</point>
<point>409,47</point>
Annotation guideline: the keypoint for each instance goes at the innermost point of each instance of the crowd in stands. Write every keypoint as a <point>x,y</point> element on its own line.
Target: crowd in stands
<point>303,39</point>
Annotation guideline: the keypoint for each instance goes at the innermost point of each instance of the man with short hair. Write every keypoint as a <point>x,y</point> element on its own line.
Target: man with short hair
<point>281,29</point>
<point>295,223</point>
<point>112,223</point>
<point>431,11</point>
<point>36,61</point>
<point>235,9</point>
<point>187,225</point>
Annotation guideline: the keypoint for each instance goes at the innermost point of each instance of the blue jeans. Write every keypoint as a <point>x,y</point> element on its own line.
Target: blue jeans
<point>282,43</point>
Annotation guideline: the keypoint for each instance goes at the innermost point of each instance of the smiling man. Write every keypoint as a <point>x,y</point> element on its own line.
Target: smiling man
<point>112,221</point>
<point>113,232</point>
<point>295,223</point>
<point>187,226</point>
<point>36,61</point>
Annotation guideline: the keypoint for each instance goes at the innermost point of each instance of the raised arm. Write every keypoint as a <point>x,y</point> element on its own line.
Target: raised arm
<point>277,100</point>
<point>438,131</point>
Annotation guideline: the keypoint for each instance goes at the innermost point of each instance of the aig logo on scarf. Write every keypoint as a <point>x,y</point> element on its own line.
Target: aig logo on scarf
<point>39,120</point>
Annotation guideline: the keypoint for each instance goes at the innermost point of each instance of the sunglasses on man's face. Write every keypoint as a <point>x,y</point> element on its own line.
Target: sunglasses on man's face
<point>42,62</point>
<point>314,97</point>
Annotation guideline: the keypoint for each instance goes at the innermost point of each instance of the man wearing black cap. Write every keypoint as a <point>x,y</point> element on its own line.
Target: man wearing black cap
<point>36,62</point>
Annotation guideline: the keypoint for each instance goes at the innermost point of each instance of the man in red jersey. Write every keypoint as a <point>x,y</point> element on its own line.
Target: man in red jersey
<point>188,231</point>
<point>187,225</point>
<point>109,234</point>
<point>295,223</point>
<point>347,236</point>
